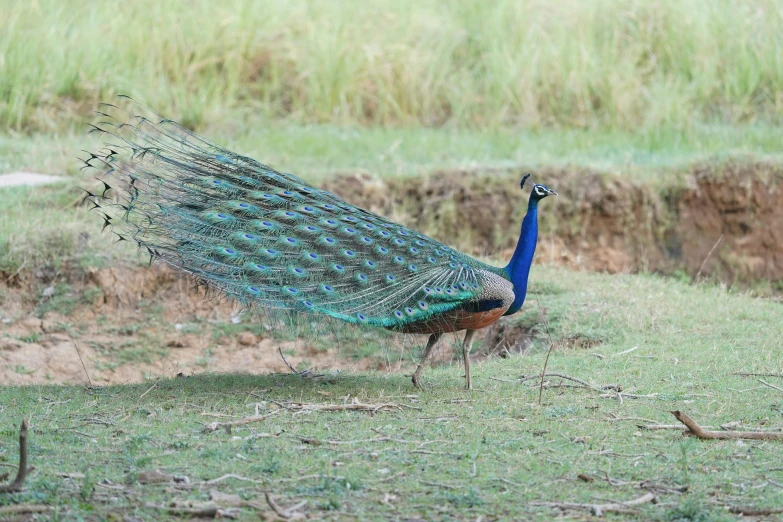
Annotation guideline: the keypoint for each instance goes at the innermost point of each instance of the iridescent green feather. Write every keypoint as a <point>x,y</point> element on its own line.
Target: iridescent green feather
<point>269,239</point>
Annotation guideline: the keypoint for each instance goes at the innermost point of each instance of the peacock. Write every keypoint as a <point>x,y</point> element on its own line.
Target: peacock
<point>271,241</point>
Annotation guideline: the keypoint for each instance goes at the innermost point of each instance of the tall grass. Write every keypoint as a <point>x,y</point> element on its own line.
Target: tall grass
<point>576,63</point>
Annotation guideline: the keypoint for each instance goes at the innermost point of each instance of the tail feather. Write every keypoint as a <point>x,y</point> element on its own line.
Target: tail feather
<point>264,237</point>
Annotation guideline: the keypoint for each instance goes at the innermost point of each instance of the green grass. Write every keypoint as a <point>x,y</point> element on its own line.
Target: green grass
<point>498,451</point>
<point>622,65</point>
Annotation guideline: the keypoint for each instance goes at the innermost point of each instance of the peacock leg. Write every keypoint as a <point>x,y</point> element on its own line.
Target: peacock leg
<point>466,344</point>
<point>430,344</point>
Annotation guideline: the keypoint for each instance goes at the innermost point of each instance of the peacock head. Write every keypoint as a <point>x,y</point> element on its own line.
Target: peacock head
<point>538,191</point>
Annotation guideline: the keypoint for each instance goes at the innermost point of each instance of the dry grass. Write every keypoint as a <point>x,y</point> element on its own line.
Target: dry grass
<point>618,64</point>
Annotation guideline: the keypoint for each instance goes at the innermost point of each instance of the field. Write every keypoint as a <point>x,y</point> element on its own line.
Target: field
<point>657,284</point>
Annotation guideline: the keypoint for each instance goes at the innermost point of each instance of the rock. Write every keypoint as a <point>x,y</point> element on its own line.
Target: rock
<point>48,291</point>
<point>247,339</point>
<point>154,477</point>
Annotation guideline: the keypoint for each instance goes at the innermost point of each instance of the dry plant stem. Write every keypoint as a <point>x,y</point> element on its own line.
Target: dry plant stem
<point>751,512</point>
<point>599,509</point>
<point>696,430</point>
<point>23,470</point>
<point>21,509</point>
<point>548,353</point>
<point>279,510</point>
<point>707,257</point>
<point>214,426</point>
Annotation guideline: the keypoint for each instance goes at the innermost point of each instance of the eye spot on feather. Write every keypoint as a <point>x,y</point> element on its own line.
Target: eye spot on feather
<point>327,206</point>
<point>413,250</point>
<point>390,278</point>
<point>291,240</point>
<point>268,196</point>
<point>413,268</point>
<point>222,216</point>
<point>361,317</point>
<point>297,271</point>
<point>475,286</point>
<point>362,278</point>
<point>366,240</point>
<point>368,226</point>
<point>449,291</point>
<point>423,305</point>
<point>432,260</point>
<point>243,205</point>
<point>349,230</point>
<point>369,263</point>
<point>410,311</point>
<point>350,218</point>
<point>253,290</point>
<point>340,269</point>
<point>420,242</point>
<point>428,290</point>
<point>399,260</point>
<point>384,233</point>
<point>307,209</point>
<point>453,265</point>
<point>382,250</point>
<point>327,289</point>
<point>310,228</point>
<point>270,252</point>
<point>438,290</point>
<point>399,241</point>
<point>307,304</point>
<point>398,314</point>
<point>438,252</point>
<point>329,240</point>
<point>287,193</point>
<point>463,285</point>
<point>267,224</point>
<point>330,222</point>
<point>312,256</point>
<point>259,268</point>
<point>290,290</point>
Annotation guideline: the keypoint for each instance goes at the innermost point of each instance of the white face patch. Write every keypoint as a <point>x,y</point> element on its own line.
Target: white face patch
<point>539,191</point>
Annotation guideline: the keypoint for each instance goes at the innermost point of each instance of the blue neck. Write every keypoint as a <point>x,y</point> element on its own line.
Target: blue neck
<point>519,266</point>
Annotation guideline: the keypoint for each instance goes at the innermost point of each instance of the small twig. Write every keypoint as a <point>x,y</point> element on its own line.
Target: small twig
<point>548,352</point>
<point>23,470</point>
<point>21,509</point>
<point>744,374</point>
<point>625,351</point>
<point>437,484</point>
<point>83,366</point>
<point>752,512</point>
<point>765,383</point>
<point>708,257</point>
<point>148,390</point>
<point>698,431</point>
<point>599,509</point>
<point>214,426</point>
<point>280,511</point>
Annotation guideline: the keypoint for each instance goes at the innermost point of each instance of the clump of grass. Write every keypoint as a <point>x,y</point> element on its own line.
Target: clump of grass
<point>572,63</point>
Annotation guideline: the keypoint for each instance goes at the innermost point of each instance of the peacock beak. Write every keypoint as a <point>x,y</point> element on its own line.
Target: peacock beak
<point>552,192</point>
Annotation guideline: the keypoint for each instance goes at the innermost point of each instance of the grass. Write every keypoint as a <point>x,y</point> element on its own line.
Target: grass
<point>620,65</point>
<point>497,450</point>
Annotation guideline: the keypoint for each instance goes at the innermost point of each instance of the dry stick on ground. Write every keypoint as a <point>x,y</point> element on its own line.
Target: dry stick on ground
<point>214,426</point>
<point>283,512</point>
<point>752,512</point>
<point>23,509</point>
<point>599,509</point>
<point>745,374</point>
<point>698,431</point>
<point>23,470</point>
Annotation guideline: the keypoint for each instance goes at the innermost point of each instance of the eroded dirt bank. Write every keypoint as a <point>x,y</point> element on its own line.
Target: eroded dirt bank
<point>602,222</point>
